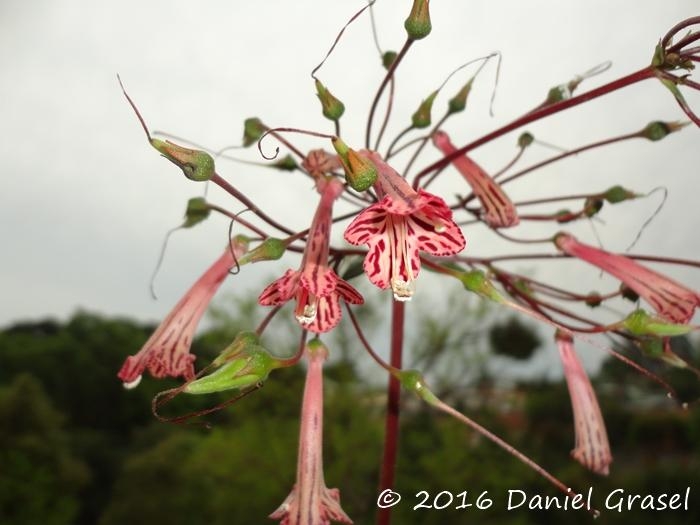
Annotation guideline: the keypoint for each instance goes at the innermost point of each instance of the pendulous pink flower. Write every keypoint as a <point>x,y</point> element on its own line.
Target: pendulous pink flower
<point>499,211</point>
<point>310,502</point>
<point>592,448</point>
<point>167,351</point>
<point>315,287</point>
<point>396,228</point>
<point>673,301</point>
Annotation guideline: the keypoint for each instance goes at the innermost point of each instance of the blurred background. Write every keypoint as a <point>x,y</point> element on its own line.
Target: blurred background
<point>87,204</point>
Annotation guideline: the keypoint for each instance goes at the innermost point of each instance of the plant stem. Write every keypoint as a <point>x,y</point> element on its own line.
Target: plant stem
<point>391,434</point>
<point>537,114</point>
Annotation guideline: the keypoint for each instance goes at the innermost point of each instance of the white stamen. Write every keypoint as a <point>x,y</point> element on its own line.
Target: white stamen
<point>439,228</point>
<point>308,315</point>
<point>132,384</point>
<point>403,290</point>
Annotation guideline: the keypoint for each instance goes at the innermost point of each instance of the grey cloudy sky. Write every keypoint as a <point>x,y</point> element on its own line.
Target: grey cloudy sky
<point>86,202</point>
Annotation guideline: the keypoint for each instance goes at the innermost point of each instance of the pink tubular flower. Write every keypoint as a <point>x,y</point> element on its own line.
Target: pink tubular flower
<point>316,287</point>
<point>311,502</point>
<point>499,209</point>
<point>592,448</point>
<point>167,351</point>
<point>397,227</point>
<point>673,301</point>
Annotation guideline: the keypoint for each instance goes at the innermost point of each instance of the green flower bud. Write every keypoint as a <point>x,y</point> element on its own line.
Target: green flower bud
<point>628,293</point>
<point>592,206</point>
<point>618,194</point>
<point>422,118</point>
<point>413,381</point>
<point>641,323</point>
<point>525,139</point>
<point>360,172</point>
<point>197,211</point>
<point>656,348</point>
<point>253,129</point>
<point>388,59</point>
<point>195,164</point>
<point>315,346</point>
<point>286,163</point>
<point>557,94</point>
<point>243,364</point>
<point>594,299</point>
<point>658,130</point>
<point>333,108</point>
<point>459,101</point>
<point>270,249</point>
<point>477,282</point>
<point>418,23</point>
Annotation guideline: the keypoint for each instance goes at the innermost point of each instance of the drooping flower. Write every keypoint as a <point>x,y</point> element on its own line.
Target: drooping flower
<point>499,211</point>
<point>673,301</point>
<point>310,502</point>
<point>592,448</point>
<point>316,288</point>
<point>167,351</point>
<point>397,227</point>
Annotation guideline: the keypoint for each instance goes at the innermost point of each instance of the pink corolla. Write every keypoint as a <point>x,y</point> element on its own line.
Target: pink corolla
<point>316,288</point>
<point>167,351</point>
<point>592,448</point>
<point>499,211</point>
<point>310,502</point>
<point>403,223</point>
<point>673,301</point>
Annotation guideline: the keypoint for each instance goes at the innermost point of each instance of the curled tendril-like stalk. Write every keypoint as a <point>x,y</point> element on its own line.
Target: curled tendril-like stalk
<point>681,55</point>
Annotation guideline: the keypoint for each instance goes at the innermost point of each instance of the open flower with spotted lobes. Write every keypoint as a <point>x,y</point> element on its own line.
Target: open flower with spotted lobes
<point>673,301</point>
<point>403,223</point>
<point>316,288</point>
<point>310,502</point>
<point>592,448</point>
<point>499,211</point>
<point>167,351</point>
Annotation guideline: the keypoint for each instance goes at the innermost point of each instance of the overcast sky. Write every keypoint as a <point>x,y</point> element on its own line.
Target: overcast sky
<point>86,202</point>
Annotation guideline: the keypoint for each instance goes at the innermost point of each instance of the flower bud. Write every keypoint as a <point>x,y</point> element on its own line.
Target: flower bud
<point>422,118</point>
<point>660,348</point>
<point>477,282</point>
<point>286,163</point>
<point>418,22</point>
<point>243,364</point>
<point>525,139</point>
<point>593,300</point>
<point>195,164</point>
<point>592,206</point>
<point>413,381</point>
<point>618,194</point>
<point>641,323</point>
<point>459,101</point>
<point>360,172</point>
<point>253,129</point>
<point>333,108</point>
<point>197,211</point>
<point>270,249</point>
<point>658,130</point>
<point>388,59</point>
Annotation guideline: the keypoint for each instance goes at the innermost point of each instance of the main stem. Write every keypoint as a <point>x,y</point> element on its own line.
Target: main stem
<point>391,432</point>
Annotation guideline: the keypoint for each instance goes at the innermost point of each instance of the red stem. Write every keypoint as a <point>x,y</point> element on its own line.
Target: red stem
<point>391,435</point>
<point>537,114</point>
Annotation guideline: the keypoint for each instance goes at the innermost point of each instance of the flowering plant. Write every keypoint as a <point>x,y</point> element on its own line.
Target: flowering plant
<point>408,226</point>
